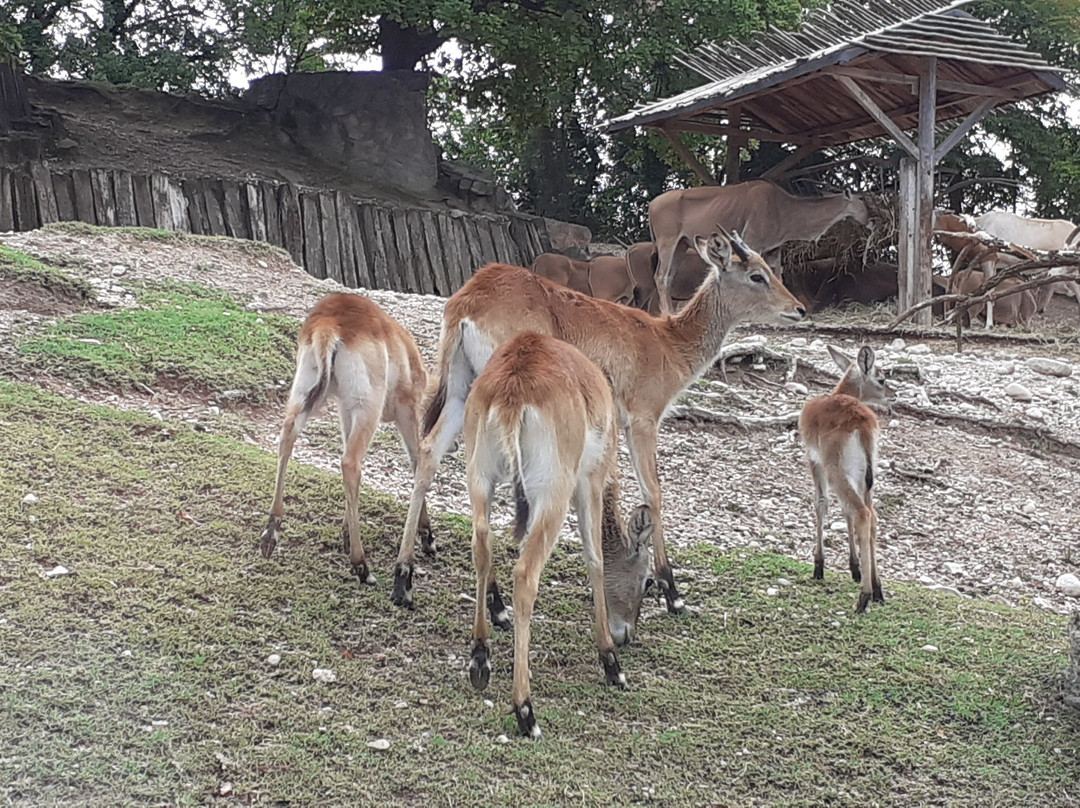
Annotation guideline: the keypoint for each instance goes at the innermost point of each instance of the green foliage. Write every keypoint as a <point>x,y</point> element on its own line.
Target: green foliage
<point>142,677</point>
<point>185,334</point>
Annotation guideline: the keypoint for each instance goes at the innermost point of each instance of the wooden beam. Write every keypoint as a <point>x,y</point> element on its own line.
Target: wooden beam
<point>684,125</point>
<point>963,87</point>
<point>805,150</point>
<point>867,103</point>
<point>957,134</point>
<point>921,287</point>
<point>689,158</point>
<point>906,249</point>
<point>733,144</point>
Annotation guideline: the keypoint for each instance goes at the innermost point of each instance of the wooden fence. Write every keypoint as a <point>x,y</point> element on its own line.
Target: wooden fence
<point>357,242</point>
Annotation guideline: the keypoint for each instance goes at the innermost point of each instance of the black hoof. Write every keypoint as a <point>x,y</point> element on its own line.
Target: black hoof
<point>268,541</point>
<point>819,570</point>
<point>864,600</point>
<point>427,540</point>
<point>480,666</point>
<point>362,572</point>
<point>675,604</point>
<point>856,572</point>
<point>879,596</point>
<point>526,718</point>
<point>613,675</point>
<point>402,594</point>
<point>500,618</point>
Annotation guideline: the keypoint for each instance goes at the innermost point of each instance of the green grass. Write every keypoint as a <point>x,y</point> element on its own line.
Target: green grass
<point>20,268</point>
<point>256,248</point>
<point>181,333</point>
<point>141,679</point>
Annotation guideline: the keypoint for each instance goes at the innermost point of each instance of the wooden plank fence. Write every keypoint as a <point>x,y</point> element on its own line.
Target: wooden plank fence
<point>358,242</point>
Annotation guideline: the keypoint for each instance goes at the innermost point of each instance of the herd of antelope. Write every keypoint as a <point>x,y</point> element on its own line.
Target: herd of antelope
<point>541,379</point>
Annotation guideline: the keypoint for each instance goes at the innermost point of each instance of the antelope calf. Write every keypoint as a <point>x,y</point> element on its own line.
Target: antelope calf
<point>541,416</point>
<point>351,349</point>
<point>840,435</point>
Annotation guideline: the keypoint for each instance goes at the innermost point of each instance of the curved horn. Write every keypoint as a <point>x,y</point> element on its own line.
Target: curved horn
<point>739,246</point>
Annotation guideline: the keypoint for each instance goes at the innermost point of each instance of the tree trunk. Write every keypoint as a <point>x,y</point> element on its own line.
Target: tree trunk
<point>403,46</point>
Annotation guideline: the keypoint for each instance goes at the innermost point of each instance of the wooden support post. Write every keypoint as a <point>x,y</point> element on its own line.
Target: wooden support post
<point>733,144</point>
<point>689,158</point>
<point>925,231</point>
<point>908,254</point>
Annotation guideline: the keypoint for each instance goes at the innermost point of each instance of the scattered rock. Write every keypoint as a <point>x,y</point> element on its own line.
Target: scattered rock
<point>57,571</point>
<point>897,345</point>
<point>380,745</point>
<point>919,349</point>
<point>225,789</point>
<point>119,270</point>
<point>838,527</point>
<point>400,705</point>
<point>1048,367</point>
<point>783,582</point>
<point>797,342</point>
<point>953,568</point>
<point>274,660</point>
<point>1035,413</point>
<point>1018,392</point>
<point>29,499</point>
<point>1068,584</point>
<point>1030,507</point>
<point>796,388</point>
<point>1005,369</point>
<point>502,739</point>
<point>772,591</point>
<point>930,648</point>
<point>489,703</point>
<point>323,675</point>
<point>951,590</point>
<point>817,345</point>
<point>894,423</point>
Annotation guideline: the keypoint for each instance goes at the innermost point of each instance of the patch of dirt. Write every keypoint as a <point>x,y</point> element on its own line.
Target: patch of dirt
<point>980,512</point>
<point>16,295</point>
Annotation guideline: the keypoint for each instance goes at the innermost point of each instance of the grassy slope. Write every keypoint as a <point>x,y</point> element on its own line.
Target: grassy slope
<point>142,679</point>
<point>183,333</point>
<point>15,266</point>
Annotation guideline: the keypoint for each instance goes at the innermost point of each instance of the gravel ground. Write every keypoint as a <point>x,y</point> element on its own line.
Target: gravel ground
<point>975,510</point>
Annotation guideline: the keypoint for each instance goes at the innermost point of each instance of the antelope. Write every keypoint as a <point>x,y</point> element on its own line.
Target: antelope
<point>541,415</point>
<point>1035,234</point>
<point>840,435</point>
<point>1012,309</point>
<point>767,216</point>
<point>351,349</point>
<point>606,276</point>
<point>648,361</point>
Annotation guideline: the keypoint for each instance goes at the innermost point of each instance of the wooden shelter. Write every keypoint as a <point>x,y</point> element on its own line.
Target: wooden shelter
<point>857,70</point>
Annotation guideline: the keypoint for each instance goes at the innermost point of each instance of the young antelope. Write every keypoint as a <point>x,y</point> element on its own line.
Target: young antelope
<point>840,435</point>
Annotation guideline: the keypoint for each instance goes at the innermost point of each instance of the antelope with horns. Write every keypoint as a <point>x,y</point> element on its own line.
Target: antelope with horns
<point>351,349</point>
<point>541,416</point>
<point>840,435</point>
<point>648,361</point>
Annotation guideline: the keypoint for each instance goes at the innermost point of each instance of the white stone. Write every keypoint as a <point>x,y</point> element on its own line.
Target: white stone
<point>772,591</point>
<point>400,705</point>
<point>926,580</point>
<point>118,270</point>
<point>1018,392</point>
<point>817,345</point>
<point>759,367</point>
<point>1035,413</point>
<point>930,648</point>
<point>90,341</point>
<point>797,342</point>
<point>502,739</point>
<point>947,589</point>
<point>225,789</point>
<point>323,675</point>
<point>1005,369</point>
<point>1030,507</point>
<point>953,568</point>
<point>274,660</point>
<point>1049,367</point>
<point>57,571</point>
<point>919,349</point>
<point>894,423</point>
<point>897,345</point>
<point>838,526</point>
<point>489,703</point>
<point>381,744</point>
<point>796,388</point>
<point>783,582</point>
<point>1068,584</point>
<point>30,499</point>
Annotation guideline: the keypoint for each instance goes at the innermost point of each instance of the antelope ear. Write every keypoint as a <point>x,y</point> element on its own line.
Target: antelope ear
<point>842,360</point>
<point>720,251</point>
<point>866,359</point>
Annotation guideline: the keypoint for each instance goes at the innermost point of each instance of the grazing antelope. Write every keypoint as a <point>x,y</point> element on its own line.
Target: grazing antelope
<point>840,435</point>
<point>351,349</point>
<point>541,416</point>
<point>648,361</point>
